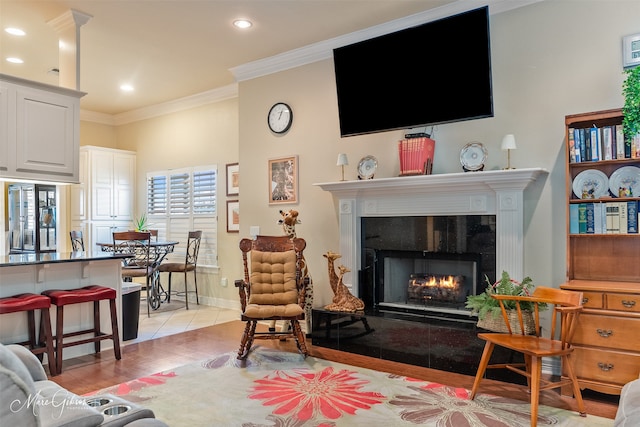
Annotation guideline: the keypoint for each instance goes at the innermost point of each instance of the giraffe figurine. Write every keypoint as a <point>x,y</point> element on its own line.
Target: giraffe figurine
<point>333,277</point>
<point>288,221</point>
<point>343,300</point>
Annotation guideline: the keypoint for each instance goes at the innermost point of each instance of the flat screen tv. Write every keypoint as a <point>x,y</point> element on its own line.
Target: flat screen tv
<point>434,73</point>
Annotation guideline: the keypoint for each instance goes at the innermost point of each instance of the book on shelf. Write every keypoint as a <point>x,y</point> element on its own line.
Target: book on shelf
<point>582,218</point>
<point>416,155</point>
<point>594,140</point>
<point>627,148</point>
<point>613,217</point>
<point>579,136</point>
<point>632,217</point>
<point>607,143</point>
<point>622,206</point>
<point>599,218</point>
<point>573,219</point>
<point>591,225</point>
<point>585,138</point>
<point>619,142</point>
<point>574,154</point>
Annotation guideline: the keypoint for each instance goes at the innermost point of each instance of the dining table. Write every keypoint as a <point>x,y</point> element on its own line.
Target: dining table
<point>158,250</point>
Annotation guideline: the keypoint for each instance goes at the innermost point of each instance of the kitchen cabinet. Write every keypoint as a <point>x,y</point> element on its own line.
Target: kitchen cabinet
<point>32,218</point>
<point>103,201</point>
<point>39,131</point>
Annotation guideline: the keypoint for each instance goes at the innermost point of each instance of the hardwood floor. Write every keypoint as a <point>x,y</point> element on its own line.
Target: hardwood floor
<point>93,372</point>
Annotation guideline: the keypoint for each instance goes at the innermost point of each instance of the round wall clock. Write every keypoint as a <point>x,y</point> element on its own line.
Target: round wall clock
<point>280,118</point>
<point>473,156</point>
<point>367,167</point>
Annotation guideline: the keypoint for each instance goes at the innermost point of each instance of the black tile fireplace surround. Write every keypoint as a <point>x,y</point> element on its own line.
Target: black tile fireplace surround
<point>395,326</point>
<point>422,339</point>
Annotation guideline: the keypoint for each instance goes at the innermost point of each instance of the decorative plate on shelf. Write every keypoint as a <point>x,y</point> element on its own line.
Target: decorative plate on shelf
<point>367,167</point>
<point>473,156</point>
<point>590,184</point>
<point>625,182</point>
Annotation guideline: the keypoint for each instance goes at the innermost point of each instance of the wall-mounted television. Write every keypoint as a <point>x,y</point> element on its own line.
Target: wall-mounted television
<point>434,73</point>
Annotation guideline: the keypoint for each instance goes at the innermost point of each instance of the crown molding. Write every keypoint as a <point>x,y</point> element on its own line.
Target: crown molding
<point>193,101</point>
<point>324,49</point>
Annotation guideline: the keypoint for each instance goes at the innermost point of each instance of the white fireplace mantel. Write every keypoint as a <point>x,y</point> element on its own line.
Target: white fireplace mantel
<point>498,192</point>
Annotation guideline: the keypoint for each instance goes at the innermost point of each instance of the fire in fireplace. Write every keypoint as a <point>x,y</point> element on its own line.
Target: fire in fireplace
<point>440,288</point>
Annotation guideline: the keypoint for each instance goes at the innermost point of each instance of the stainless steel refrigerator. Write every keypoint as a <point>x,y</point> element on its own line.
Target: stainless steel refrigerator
<point>32,218</point>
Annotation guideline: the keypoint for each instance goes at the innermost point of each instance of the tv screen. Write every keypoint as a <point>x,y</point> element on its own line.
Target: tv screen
<point>434,73</point>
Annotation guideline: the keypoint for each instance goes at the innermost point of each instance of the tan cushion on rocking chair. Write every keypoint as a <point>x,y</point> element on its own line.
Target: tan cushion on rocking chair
<point>258,311</point>
<point>273,285</point>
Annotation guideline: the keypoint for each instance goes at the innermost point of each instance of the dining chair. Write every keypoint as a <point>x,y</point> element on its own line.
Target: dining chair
<point>566,307</point>
<point>137,244</point>
<point>272,289</point>
<point>189,264</point>
<point>77,241</point>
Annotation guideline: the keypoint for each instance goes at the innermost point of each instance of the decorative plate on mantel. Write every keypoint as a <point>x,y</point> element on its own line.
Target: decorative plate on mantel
<point>473,157</point>
<point>367,167</point>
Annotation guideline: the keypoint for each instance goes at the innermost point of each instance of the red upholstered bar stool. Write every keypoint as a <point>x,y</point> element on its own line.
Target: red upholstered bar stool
<point>95,294</point>
<point>29,303</point>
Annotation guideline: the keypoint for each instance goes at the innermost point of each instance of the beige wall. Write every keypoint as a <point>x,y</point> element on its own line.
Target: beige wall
<point>200,136</point>
<point>549,59</point>
<point>97,134</point>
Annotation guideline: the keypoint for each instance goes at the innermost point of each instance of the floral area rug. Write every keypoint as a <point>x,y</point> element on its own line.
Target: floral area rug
<point>279,389</point>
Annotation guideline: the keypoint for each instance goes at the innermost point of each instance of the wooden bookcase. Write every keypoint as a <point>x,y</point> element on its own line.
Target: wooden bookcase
<point>606,268</point>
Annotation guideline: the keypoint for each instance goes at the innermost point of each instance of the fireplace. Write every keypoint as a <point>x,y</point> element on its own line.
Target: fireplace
<point>467,200</point>
<point>397,235</point>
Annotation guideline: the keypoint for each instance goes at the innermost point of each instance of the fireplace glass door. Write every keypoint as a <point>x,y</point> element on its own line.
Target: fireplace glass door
<point>426,263</point>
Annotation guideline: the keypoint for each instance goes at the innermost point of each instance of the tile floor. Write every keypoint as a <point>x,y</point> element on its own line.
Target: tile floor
<point>174,322</point>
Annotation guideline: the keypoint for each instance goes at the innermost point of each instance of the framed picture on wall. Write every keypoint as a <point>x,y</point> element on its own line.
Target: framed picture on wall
<point>283,180</point>
<point>233,179</point>
<point>233,216</point>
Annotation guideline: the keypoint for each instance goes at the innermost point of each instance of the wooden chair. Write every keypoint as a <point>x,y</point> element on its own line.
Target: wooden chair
<point>274,289</point>
<point>77,241</point>
<point>189,264</point>
<point>138,244</point>
<point>565,305</point>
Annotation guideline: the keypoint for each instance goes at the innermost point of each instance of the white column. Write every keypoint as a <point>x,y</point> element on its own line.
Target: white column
<point>68,26</point>
<point>349,240</point>
<point>509,233</point>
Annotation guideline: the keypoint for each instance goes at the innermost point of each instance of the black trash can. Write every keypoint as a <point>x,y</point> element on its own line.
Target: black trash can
<point>130,310</point>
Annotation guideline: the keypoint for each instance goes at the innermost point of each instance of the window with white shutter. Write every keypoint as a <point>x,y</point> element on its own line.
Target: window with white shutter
<point>183,200</point>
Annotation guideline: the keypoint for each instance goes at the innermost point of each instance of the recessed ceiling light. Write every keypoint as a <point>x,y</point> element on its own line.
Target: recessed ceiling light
<point>126,88</point>
<point>15,31</point>
<point>15,60</point>
<point>242,23</point>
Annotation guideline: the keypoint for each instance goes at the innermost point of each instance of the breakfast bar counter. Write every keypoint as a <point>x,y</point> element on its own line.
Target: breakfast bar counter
<point>38,272</point>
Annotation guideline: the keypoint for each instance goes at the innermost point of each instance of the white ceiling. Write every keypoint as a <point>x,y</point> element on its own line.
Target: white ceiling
<point>178,48</point>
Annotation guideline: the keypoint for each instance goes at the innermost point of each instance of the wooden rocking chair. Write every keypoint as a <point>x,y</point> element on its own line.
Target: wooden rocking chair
<point>273,290</point>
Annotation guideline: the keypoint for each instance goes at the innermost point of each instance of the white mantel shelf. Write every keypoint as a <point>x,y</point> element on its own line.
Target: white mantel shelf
<point>498,192</point>
<point>468,181</point>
